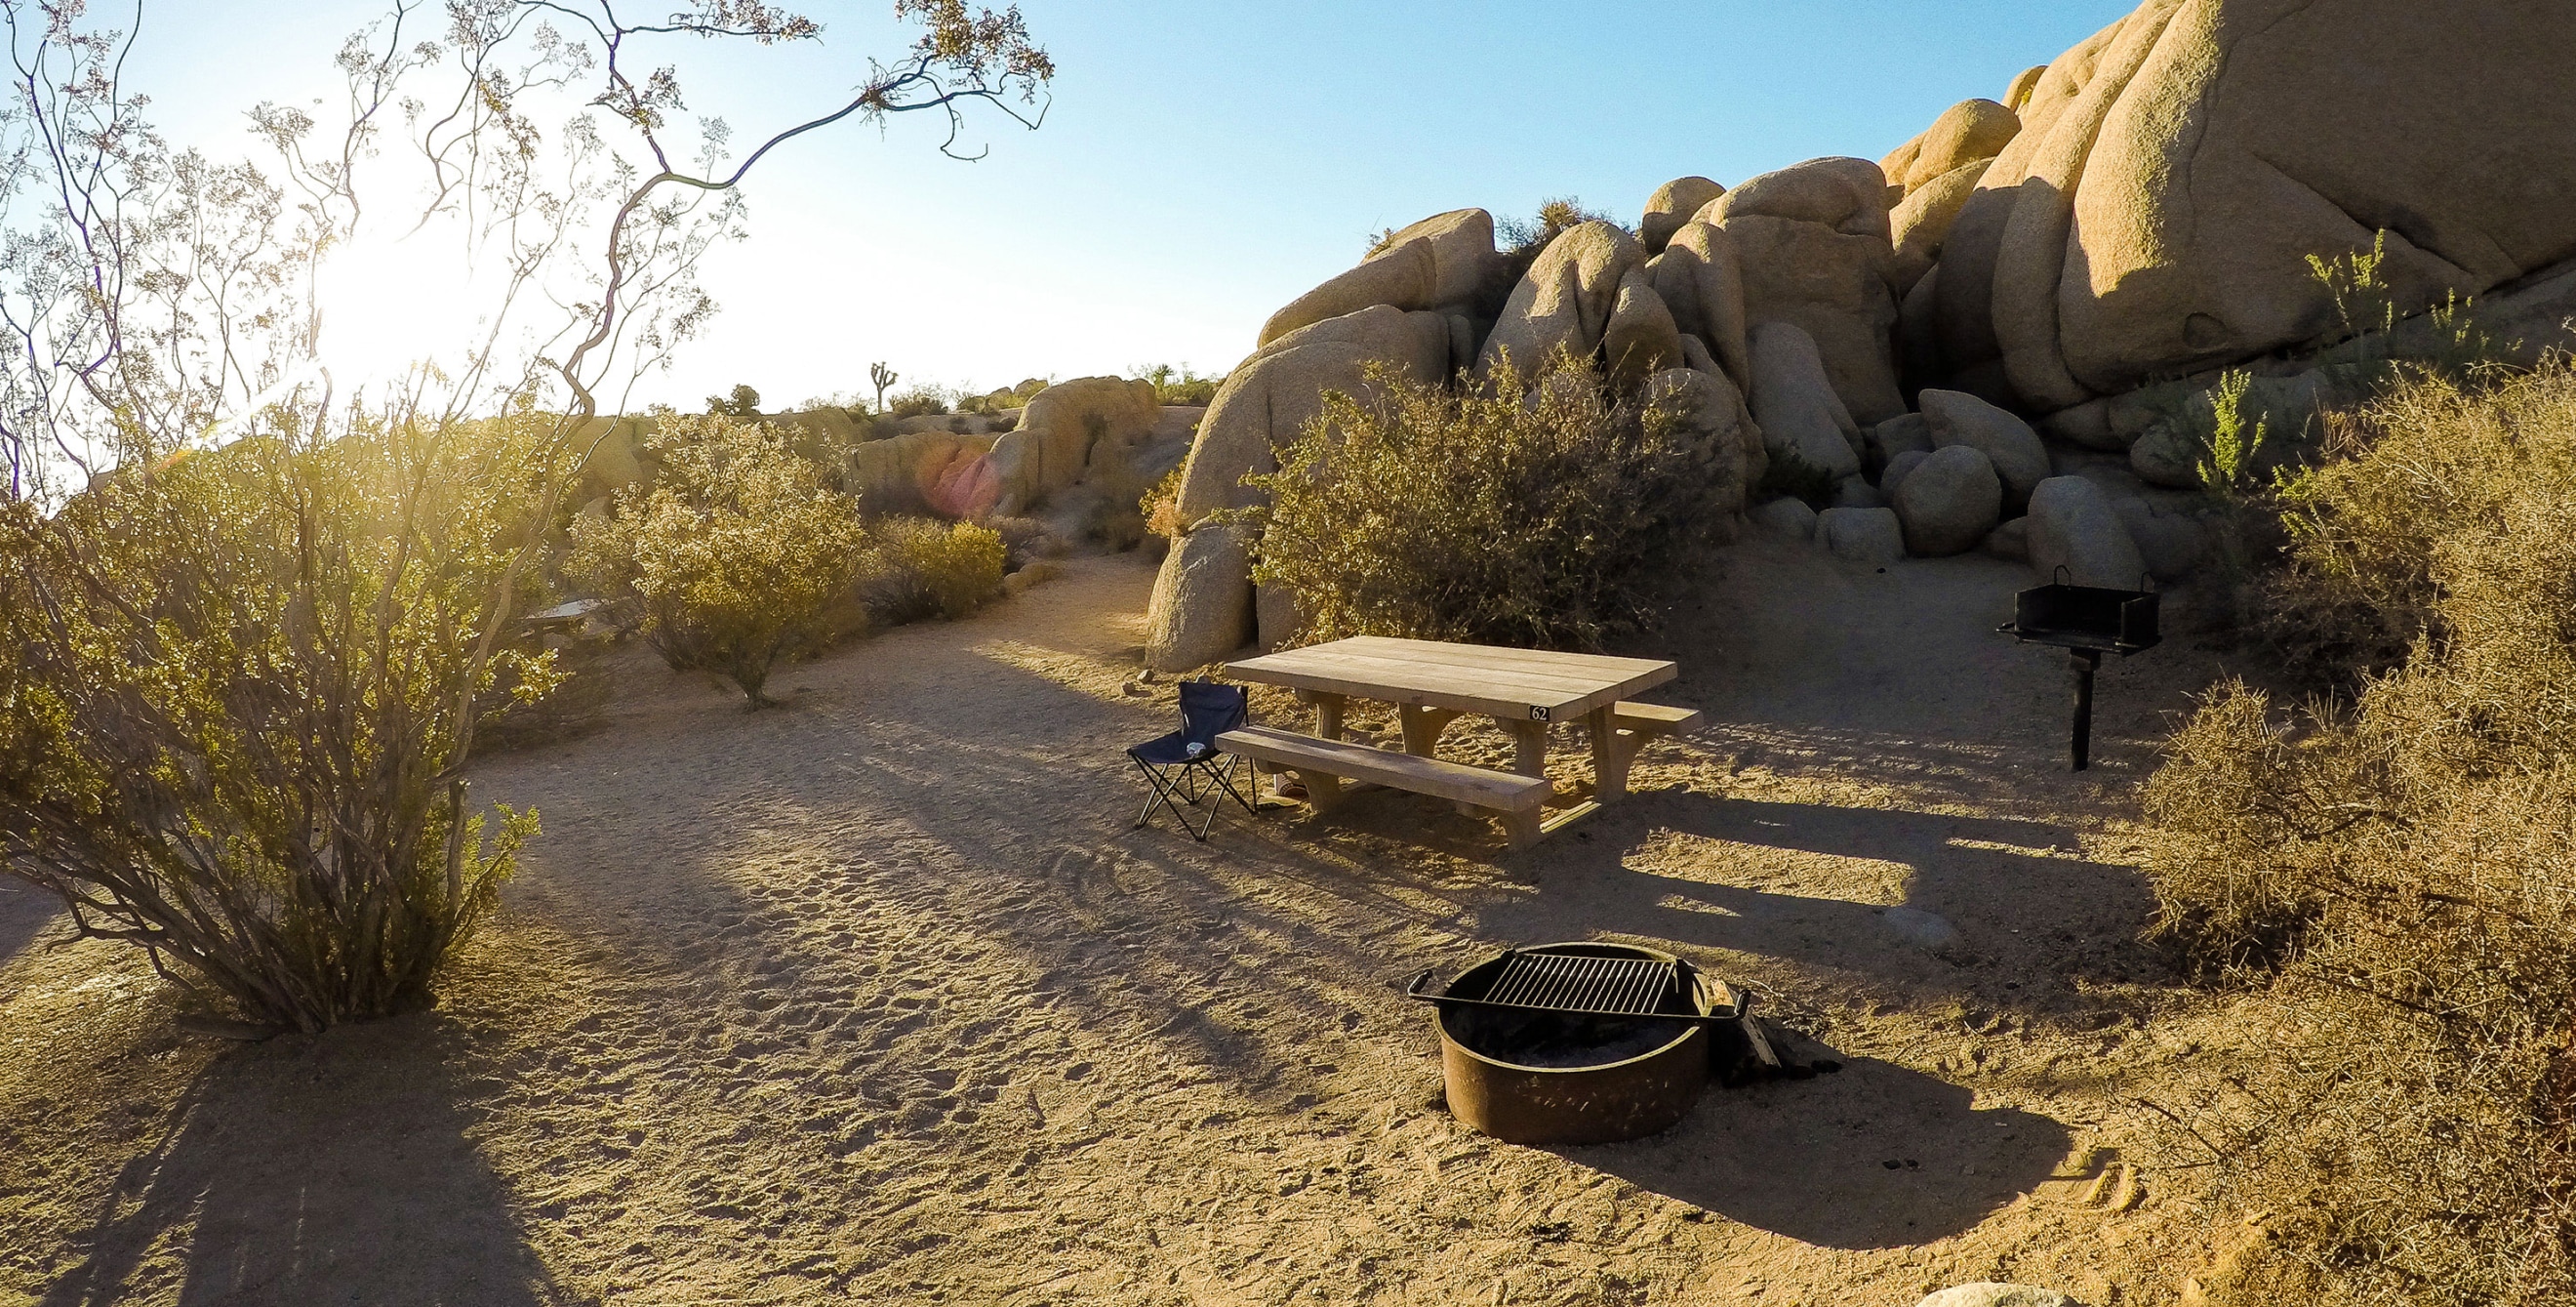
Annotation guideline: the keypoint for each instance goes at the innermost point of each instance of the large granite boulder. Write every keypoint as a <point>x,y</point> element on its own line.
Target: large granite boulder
<point>1970,131</point>
<point>1803,421</point>
<point>1922,222</point>
<point>1565,299</point>
<point>2075,526</point>
<point>1701,278</point>
<point>1717,429</point>
<point>1812,246</point>
<point>939,472</point>
<point>1441,261</point>
<point>2156,214</point>
<point>1870,536</point>
<point>1847,195</point>
<point>1640,339</point>
<point>1202,605</point>
<point>1062,433</point>
<point>1270,397</point>
<point>2016,451</point>
<point>1672,205</point>
<point>1948,501</point>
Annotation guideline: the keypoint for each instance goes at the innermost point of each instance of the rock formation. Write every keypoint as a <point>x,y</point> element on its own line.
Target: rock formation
<point>2007,332</point>
<point>2175,172</point>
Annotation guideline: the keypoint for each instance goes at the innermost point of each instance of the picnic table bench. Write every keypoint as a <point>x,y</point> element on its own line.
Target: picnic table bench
<point>1433,684</point>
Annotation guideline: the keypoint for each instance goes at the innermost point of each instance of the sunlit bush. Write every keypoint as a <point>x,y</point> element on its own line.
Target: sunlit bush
<point>739,553</point>
<point>921,568</point>
<point>2396,876</point>
<point>231,685</point>
<point>1553,520</point>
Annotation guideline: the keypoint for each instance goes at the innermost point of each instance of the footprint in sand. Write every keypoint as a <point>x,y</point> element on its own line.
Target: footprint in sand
<point>2097,1179</point>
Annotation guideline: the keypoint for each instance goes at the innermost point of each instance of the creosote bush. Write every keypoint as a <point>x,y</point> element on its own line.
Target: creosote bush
<point>231,702</point>
<point>1551,520</point>
<point>739,553</point>
<point>919,568</point>
<point>2393,873</point>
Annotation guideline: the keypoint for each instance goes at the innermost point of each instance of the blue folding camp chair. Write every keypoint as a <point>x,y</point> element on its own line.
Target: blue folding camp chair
<point>1184,764</point>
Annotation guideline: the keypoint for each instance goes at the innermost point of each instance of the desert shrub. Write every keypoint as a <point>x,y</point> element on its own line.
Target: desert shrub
<point>2395,877</point>
<point>738,554</point>
<point>232,685</point>
<point>1478,516</point>
<point>1179,385</point>
<point>2421,473</point>
<point>1785,473</point>
<point>1162,507</point>
<point>921,568</point>
<point>741,402</point>
<point>572,703</point>
<point>1024,540</point>
<point>1555,216</point>
<point>920,401</point>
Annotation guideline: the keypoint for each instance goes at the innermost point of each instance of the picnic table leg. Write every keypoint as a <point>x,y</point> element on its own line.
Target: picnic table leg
<point>1611,754</point>
<point>1422,727</point>
<point>1328,715</point>
<point>1529,746</point>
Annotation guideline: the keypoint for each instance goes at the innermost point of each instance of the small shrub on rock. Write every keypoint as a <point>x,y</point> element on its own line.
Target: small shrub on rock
<point>920,401</point>
<point>739,554</point>
<point>922,568</point>
<point>1180,385</point>
<point>1541,515</point>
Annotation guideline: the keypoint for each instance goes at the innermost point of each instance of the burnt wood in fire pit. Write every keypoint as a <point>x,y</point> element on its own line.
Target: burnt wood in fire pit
<point>2087,621</point>
<point>1577,1043</point>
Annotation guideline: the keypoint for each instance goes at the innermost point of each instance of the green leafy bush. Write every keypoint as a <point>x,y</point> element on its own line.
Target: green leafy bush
<point>232,684</point>
<point>1180,385</point>
<point>1162,507</point>
<point>2394,875</point>
<point>739,554</point>
<point>922,568</point>
<point>1481,516</point>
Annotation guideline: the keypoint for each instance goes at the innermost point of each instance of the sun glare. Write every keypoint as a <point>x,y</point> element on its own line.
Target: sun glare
<point>388,303</point>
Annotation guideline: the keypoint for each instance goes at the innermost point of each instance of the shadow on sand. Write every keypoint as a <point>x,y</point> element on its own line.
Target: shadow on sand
<point>25,913</point>
<point>329,1169</point>
<point>1876,1156</point>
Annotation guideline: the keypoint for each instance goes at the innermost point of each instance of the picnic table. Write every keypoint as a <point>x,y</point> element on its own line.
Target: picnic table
<point>1433,684</point>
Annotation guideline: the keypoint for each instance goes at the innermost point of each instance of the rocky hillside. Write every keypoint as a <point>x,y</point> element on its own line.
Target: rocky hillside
<point>1993,337</point>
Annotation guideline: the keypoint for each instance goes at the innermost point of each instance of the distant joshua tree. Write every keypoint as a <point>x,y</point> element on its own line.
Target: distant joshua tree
<point>885,378</point>
<point>744,402</point>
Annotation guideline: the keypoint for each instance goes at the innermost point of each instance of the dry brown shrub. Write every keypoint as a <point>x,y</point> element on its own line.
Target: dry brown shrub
<point>1556,515</point>
<point>2395,879</point>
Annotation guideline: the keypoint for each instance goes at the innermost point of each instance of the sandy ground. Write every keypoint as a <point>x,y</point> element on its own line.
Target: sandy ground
<point>879,999</point>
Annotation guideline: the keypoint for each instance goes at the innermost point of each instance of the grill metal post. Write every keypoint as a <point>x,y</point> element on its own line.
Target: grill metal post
<point>2084,661</point>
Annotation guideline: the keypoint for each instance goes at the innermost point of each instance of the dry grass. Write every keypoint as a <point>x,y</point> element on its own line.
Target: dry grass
<point>2395,873</point>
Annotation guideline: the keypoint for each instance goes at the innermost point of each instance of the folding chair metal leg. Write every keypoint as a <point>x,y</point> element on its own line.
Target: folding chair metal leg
<point>1161,797</point>
<point>1223,780</point>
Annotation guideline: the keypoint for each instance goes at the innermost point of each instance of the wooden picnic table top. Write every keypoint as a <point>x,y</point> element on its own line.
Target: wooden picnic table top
<point>1519,684</point>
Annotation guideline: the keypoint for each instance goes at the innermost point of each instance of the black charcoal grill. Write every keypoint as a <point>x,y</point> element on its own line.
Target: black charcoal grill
<point>1577,1043</point>
<point>2087,621</point>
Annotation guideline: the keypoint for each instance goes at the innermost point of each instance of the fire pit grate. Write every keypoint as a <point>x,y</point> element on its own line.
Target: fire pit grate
<point>1628,987</point>
<point>1576,985</point>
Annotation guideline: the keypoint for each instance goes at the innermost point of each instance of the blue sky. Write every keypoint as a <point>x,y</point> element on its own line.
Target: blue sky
<point>1203,163</point>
